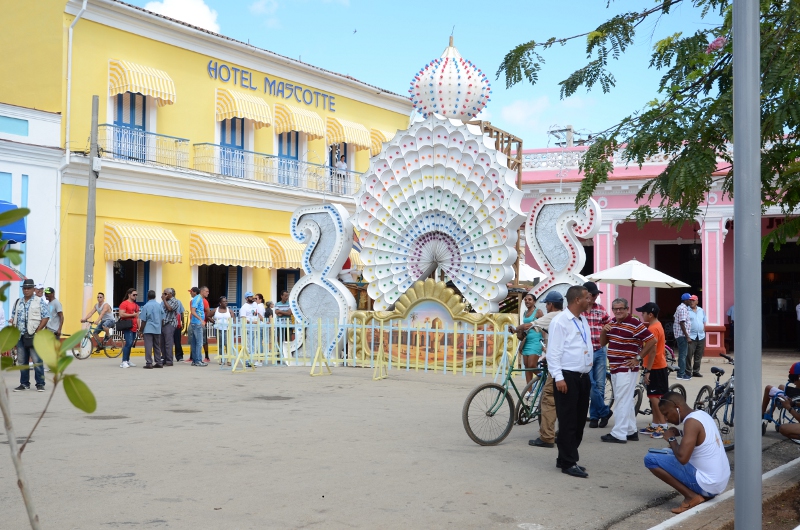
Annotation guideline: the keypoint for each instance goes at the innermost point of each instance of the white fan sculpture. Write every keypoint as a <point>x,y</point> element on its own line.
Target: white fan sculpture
<point>439,195</point>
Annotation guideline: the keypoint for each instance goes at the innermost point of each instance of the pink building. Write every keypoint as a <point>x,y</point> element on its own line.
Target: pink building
<point>700,253</point>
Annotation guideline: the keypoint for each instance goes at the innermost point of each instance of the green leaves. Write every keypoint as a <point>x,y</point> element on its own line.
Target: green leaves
<point>79,394</point>
<point>9,337</point>
<point>47,347</point>
<point>6,218</point>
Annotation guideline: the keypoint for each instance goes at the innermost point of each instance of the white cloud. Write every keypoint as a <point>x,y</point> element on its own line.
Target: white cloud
<point>268,8</point>
<point>194,12</point>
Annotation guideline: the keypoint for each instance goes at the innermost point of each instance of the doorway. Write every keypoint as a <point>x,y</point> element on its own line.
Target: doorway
<point>780,288</point>
<point>286,278</point>
<point>221,280</point>
<point>682,262</point>
<point>129,273</point>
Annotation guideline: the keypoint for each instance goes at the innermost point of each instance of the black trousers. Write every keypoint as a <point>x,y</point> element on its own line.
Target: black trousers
<point>178,347</point>
<point>571,410</point>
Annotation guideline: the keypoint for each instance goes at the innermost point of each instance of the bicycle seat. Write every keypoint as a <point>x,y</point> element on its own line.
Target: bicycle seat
<point>719,372</point>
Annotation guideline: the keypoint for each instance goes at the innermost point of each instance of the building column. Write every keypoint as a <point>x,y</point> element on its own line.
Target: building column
<point>605,257</point>
<point>712,237</point>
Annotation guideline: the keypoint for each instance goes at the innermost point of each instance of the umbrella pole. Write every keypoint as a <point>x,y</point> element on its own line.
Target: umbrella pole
<point>633,283</point>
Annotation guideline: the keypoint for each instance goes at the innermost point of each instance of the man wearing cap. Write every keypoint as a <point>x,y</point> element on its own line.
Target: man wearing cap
<point>554,304</point>
<point>697,335</point>
<point>38,291</point>
<point>30,316</point>
<point>198,317</point>
<point>56,311</point>
<point>171,307</point>
<point>680,328</point>
<point>597,317</point>
<point>656,373</point>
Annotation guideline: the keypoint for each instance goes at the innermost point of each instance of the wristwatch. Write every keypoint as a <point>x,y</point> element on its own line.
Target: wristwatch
<point>671,439</point>
<point>638,358</point>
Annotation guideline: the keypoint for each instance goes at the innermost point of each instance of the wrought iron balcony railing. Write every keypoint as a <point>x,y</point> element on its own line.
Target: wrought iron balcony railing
<point>260,167</point>
<point>135,145</point>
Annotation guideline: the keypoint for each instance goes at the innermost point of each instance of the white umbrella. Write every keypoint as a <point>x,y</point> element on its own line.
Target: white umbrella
<point>635,273</point>
<point>528,273</point>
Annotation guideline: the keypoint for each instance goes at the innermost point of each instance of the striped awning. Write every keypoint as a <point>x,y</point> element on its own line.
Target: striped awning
<point>286,252</point>
<point>288,118</point>
<point>222,248</point>
<point>378,138</point>
<point>355,260</point>
<point>233,104</point>
<point>140,242</point>
<point>350,132</point>
<point>125,76</point>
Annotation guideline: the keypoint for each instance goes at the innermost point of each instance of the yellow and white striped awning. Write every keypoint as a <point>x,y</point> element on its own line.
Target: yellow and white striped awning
<point>123,241</point>
<point>287,253</point>
<point>347,131</point>
<point>125,76</point>
<point>222,248</point>
<point>288,118</point>
<point>378,138</point>
<point>355,260</point>
<point>234,104</point>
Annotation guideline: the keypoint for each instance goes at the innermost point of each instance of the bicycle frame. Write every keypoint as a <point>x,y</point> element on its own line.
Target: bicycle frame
<point>509,379</point>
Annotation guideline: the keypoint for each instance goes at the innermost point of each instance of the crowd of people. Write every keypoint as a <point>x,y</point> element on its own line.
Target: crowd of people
<point>577,343</point>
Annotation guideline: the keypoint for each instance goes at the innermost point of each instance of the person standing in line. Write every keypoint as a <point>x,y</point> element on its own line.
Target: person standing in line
<point>129,310</point>
<point>30,316</point>
<point>207,310</point>
<point>198,317</point>
<point>532,347</point>
<point>626,337</point>
<point>169,306</point>
<point>554,304</point>
<point>283,316</point>
<point>222,318</point>
<point>249,312</point>
<point>180,324</point>
<point>680,328</point>
<point>54,307</point>
<point>656,373</point>
<point>697,335</point>
<point>569,360</point>
<point>152,319</point>
<point>597,317</point>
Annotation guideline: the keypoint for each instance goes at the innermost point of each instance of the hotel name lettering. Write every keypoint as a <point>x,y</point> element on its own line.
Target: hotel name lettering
<point>244,78</point>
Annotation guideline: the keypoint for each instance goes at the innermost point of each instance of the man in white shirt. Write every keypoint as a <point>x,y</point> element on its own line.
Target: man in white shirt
<point>554,304</point>
<point>249,312</point>
<point>569,361</point>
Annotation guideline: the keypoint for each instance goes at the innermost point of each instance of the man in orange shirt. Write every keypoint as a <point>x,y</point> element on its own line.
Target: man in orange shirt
<point>656,376</point>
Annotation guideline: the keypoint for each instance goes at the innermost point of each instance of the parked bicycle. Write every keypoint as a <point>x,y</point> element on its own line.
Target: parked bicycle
<point>93,343</point>
<point>718,402</point>
<point>641,389</point>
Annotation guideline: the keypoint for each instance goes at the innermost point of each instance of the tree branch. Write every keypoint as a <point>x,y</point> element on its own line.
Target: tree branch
<point>28,439</point>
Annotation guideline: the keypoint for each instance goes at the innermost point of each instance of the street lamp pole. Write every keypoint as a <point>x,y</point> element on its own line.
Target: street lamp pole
<point>747,259</point>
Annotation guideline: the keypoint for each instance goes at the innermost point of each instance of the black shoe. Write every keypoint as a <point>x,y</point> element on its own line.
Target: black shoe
<point>697,374</point>
<point>575,471</point>
<point>561,466</point>
<point>20,388</point>
<point>604,420</point>
<point>40,388</point>
<point>148,366</point>
<point>633,437</point>
<point>592,424</point>
<point>610,439</point>
<point>540,443</point>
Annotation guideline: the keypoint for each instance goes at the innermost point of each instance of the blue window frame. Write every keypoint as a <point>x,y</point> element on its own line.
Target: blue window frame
<point>231,140</point>
<point>129,131</point>
<point>289,158</point>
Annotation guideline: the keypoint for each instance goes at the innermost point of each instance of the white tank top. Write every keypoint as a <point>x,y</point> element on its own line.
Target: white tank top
<point>221,319</point>
<point>713,468</point>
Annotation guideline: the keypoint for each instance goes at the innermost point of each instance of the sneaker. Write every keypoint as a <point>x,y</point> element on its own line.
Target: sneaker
<point>124,364</point>
<point>130,363</point>
<point>633,437</point>
<point>658,432</point>
<point>259,363</point>
<point>648,430</point>
<point>40,388</point>
<point>199,364</point>
<point>20,388</point>
<point>188,361</point>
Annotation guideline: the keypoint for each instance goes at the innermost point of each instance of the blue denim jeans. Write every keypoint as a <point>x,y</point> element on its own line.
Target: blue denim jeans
<point>686,474</point>
<point>196,342</point>
<point>129,337</point>
<point>683,350</point>
<point>597,404</point>
<point>24,357</point>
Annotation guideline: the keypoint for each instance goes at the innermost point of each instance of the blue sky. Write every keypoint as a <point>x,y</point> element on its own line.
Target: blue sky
<point>393,39</point>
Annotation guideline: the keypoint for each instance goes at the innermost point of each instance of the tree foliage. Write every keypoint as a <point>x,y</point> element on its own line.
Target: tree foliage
<point>691,120</point>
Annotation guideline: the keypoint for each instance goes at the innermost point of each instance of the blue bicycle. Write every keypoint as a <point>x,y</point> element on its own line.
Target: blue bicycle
<point>783,414</point>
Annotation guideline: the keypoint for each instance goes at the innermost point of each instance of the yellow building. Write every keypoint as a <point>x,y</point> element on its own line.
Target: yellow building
<point>207,146</point>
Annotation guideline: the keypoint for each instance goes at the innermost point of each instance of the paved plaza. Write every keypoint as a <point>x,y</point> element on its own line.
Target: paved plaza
<point>187,447</point>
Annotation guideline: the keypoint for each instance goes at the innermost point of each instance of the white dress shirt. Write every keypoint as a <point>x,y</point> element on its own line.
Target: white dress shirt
<point>569,346</point>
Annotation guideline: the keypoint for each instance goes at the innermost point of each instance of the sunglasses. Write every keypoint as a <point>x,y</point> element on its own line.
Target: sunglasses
<point>619,308</point>
<point>134,295</point>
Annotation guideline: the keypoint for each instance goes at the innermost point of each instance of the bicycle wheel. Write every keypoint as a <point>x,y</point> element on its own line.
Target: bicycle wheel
<point>486,419</point>
<point>112,347</point>
<point>637,399</point>
<point>84,349</point>
<point>704,399</point>
<point>609,395</point>
<point>723,417</point>
<point>679,388</point>
<point>529,409</point>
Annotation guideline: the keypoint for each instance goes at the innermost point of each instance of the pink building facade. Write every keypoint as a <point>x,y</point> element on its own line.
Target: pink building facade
<point>699,253</point>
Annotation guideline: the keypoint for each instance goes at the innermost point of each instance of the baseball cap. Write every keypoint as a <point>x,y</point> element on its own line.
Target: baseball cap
<point>553,297</point>
<point>685,296</point>
<point>49,290</point>
<point>592,288</point>
<point>795,369</point>
<point>649,307</point>
<point>248,294</point>
<point>693,297</point>
<point>39,286</point>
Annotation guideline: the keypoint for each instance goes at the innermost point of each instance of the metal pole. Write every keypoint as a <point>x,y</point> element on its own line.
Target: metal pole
<point>91,215</point>
<point>747,259</point>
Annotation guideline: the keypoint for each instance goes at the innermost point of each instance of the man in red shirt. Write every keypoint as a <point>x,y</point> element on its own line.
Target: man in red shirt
<point>626,337</point>
<point>128,311</point>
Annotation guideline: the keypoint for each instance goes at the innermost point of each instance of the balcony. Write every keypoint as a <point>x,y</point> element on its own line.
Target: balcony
<point>134,145</point>
<point>287,172</point>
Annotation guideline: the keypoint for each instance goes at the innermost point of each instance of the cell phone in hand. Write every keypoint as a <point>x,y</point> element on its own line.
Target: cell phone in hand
<point>661,451</point>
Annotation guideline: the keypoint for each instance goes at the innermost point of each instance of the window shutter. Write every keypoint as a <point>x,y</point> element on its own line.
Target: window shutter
<point>233,284</point>
<point>140,265</point>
